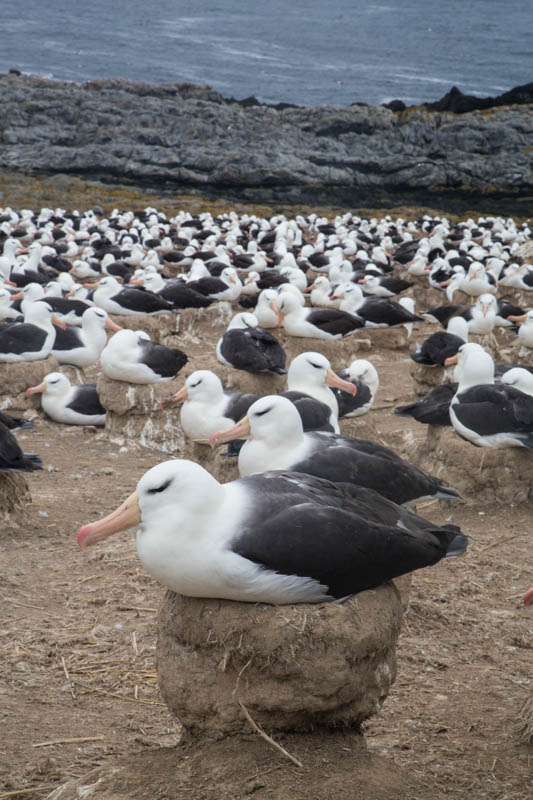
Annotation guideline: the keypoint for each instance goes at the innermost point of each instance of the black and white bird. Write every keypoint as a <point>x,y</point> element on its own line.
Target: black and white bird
<point>133,357</point>
<point>246,346</point>
<point>441,345</point>
<point>82,347</point>
<point>272,538</point>
<point>374,311</point>
<point>485,414</point>
<point>115,298</point>
<point>310,373</point>
<point>70,405</point>
<point>315,323</point>
<point>31,340</point>
<point>364,376</point>
<point>277,441</point>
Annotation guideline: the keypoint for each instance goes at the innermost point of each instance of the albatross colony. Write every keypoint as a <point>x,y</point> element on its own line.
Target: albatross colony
<point>279,537</point>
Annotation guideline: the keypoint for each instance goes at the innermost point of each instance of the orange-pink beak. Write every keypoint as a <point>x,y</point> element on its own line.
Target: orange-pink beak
<point>41,387</point>
<point>112,326</point>
<point>240,430</point>
<point>332,379</point>
<point>449,362</point>
<point>125,516</point>
<point>59,322</point>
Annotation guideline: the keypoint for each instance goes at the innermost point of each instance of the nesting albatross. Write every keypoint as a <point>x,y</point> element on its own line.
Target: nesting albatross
<point>273,538</point>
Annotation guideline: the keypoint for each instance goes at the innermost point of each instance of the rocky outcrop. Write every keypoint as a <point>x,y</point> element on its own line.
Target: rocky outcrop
<point>186,136</point>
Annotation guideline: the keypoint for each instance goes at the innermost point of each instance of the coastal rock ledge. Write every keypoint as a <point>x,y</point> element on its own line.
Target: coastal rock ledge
<point>180,136</point>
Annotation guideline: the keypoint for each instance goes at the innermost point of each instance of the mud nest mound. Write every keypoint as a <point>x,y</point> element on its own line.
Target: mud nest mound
<point>480,474</point>
<point>14,493</point>
<point>293,668</point>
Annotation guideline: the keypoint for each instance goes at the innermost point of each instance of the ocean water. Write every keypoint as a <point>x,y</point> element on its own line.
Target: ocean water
<point>308,53</point>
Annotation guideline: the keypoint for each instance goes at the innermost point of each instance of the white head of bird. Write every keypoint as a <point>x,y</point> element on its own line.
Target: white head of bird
<point>474,366</point>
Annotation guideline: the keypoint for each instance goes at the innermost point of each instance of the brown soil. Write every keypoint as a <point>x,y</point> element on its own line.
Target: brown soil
<point>79,635</point>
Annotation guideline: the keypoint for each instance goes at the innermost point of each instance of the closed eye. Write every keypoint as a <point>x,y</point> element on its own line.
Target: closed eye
<point>260,413</point>
<point>160,488</point>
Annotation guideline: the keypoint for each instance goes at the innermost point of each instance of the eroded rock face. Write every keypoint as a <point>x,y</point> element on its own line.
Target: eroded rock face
<point>293,667</point>
<point>116,129</point>
<point>133,412</point>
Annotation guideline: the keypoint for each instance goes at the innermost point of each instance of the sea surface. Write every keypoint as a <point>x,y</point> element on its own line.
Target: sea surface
<point>307,53</point>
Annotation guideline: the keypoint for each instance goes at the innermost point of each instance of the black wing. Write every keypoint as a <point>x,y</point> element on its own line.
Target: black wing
<point>437,348</point>
<point>12,459</point>
<point>383,311</point>
<point>21,337</point>
<point>14,423</point>
<point>238,404</point>
<point>334,321</point>
<point>138,299</point>
<point>315,414</point>
<point>347,459</point>
<point>165,361</point>
<point>254,350</point>
<point>68,339</point>
<point>433,408</point>
<point>341,543</point>
<point>86,400</point>
<point>491,409</point>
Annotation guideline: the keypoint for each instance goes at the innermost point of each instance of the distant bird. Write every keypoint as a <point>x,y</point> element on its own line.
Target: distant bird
<point>484,414</point>
<point>315,323</point>
<point>12,459</point>
<point>441,345</point>
<point>83,346</point>
<point>70,405</point>
<point>364,376</point>
<point>311,374</point>
<point>385,286</point>
<point>114,298</point>
<point>133,357</point>
<point>246,346</point>
<point>177,292</point>
<point>376,312</point>
<point>31,340</point>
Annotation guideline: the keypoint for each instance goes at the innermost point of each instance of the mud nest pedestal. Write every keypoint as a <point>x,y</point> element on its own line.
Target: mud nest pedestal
<point>294,668</point>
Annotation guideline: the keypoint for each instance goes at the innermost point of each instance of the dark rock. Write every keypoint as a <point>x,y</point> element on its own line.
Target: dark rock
<point>395,105</point>
<point>459,103</point>
<point>188,136</point>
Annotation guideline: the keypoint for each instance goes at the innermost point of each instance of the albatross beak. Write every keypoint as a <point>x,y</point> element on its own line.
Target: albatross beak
<point>278,313</point>
<point>59,322</point>
<point>517,317</point>
<point>125,516</point>
<point>112,326</point>
<point>239,431</point>
<point>449,362</point>
<point>179,397</point>
<point>332,379</point>
<point>35,389</point>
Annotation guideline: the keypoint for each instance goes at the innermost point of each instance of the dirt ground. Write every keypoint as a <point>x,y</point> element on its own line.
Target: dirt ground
<point>79,694</point>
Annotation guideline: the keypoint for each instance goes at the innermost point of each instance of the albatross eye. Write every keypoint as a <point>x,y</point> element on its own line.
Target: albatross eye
<point>161,488</point>
<point>261,413</point>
